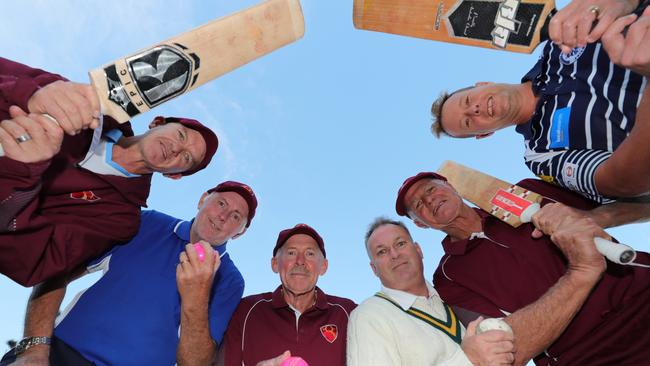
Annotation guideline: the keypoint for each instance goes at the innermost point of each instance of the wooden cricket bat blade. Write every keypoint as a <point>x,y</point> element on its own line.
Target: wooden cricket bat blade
<point>514,205</point>
<point>508,202</point>
<point>510,25</point>
<point>136,83</point>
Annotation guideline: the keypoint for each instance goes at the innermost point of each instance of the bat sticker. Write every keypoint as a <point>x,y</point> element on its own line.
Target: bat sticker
<point>151,77</point>
<point>512,22</point>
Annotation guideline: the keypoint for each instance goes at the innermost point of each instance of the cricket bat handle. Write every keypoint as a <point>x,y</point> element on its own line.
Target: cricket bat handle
<point>615,252</point>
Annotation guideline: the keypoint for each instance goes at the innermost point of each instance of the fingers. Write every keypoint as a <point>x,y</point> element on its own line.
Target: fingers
<point>16,111</point>
<point>29,138</point>
<point>74,106</point>
<point>585,21</point>
<point>599,27</point>
<point>613,39</point>
<point>635,53</point>
<point>471,327</point>
<point>584,26</point>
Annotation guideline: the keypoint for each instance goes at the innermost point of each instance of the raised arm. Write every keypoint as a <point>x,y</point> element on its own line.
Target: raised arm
<point>627,172</point>
<point>42,308</point>
<point>573,234</point>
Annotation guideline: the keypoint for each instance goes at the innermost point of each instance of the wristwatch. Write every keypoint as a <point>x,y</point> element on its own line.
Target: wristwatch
<point>28,342</point>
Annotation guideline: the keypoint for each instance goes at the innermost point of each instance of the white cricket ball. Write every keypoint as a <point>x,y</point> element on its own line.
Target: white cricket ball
<point>493,324</point>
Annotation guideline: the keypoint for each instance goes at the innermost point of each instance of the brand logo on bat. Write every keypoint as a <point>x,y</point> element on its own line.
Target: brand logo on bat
<point>162,72</point>
<point>510,202</point>
<point>151,77</point>
<point>505,23</point>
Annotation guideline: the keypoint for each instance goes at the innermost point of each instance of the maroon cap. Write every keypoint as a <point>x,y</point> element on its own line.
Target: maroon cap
<point>299,229</point>
<point>243,190</point>
<point>400,206</point>
<point>211,140</point>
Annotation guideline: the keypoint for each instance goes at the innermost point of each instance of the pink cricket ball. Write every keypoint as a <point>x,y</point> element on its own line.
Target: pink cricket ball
<point>199,251</point>
<point>294,361</point>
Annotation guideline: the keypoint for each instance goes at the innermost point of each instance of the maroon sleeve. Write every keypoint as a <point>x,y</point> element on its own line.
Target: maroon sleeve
<point>232,350</point>
<point>19,82</point>
<point>459,296</point>
<point>38,245</point>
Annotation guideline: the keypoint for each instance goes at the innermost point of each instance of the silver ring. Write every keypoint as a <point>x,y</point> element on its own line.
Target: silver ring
<point>23,138</point>
<point>595,9</point>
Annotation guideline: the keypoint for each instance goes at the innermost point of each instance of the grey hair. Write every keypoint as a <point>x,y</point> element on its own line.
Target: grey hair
<point>381,221</point>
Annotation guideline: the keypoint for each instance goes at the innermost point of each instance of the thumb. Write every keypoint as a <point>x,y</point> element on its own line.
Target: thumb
<point>16,111</point>
<point>471,327</point>
<point>278,360</point>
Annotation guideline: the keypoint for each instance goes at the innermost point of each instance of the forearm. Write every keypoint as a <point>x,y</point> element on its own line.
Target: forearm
<point>41,313</point>
<point>196,346</point>
<point>43,307</point>
<point>627,172</point>
<point>534,329</point>
<point>620,213</point>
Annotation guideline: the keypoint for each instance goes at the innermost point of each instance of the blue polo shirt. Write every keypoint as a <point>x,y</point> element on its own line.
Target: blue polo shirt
<point>131,315</point>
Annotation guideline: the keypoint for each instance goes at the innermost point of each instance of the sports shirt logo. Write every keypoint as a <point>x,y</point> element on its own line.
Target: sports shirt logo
<point>573,56</point>
<point>85,195</point>
<point>330,332</point>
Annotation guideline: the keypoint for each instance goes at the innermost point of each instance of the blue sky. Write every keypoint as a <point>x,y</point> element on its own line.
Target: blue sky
<point>324,130</point>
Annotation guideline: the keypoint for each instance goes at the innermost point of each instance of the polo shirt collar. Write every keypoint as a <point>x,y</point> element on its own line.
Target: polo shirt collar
<point>406,300</point>
<point>182,231</point>
<point>460,247</point>
<point>278,300</point>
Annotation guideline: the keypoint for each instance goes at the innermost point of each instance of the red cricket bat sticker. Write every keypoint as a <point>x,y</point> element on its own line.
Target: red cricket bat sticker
<point>510,202</point>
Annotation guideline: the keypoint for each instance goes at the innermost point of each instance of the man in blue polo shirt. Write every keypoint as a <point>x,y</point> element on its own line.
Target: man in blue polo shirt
<point>581,116</point>
<point>158,302</point>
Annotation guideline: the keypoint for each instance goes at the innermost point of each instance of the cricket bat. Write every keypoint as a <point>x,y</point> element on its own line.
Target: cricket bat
<point>514,205</point>
<point>510,25</point>
<point>136,83</point>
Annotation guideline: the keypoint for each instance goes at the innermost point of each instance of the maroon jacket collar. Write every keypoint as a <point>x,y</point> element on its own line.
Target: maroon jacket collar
<point>460,247</point>
<point>278,300</point>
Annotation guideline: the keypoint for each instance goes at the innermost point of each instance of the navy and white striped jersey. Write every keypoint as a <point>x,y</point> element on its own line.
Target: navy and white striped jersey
<point>586,109</point>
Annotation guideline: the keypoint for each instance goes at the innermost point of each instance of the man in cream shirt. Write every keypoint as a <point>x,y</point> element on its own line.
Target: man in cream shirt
<point>406,323</point>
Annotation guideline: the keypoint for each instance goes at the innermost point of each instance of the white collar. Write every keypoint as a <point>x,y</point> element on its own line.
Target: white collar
<point>406,300</point>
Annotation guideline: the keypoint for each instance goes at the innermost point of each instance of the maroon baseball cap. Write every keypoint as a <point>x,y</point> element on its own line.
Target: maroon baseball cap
<point>299,229</point>
<point>400,206</point>
<point>243,190</point>
<point>211,140</point>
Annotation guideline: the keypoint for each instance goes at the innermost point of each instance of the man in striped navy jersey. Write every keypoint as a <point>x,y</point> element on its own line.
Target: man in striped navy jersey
<point>574,110</point>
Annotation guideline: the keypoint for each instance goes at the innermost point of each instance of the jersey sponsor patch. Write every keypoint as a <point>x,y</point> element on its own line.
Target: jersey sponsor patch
<point>559,137</point>
<point>569,176</point>
<point>330,332</point>
<point>573,56</point>
<point>85,195</point>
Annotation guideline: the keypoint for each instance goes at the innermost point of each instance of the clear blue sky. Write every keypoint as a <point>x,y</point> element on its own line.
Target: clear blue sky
<point>324,130</point>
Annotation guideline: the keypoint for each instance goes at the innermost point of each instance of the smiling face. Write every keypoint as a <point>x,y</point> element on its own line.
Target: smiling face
<point>433,203</point>
<point>221,216</point>
<point>481,110</point>
<point>171,148</point>
<point>396,259</point>
<point>299,262</point>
